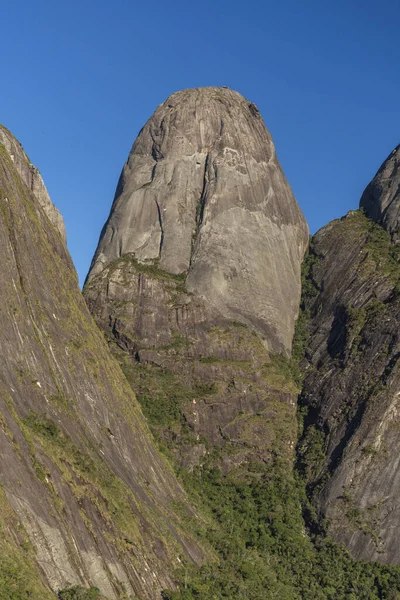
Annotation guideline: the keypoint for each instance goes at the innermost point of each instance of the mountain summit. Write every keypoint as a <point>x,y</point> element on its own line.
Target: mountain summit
<point>202,194</point>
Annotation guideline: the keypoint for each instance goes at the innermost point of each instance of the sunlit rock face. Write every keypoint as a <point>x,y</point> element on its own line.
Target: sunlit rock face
<point>381,198</point>
<point>31,178</point>
<point>80,476</point>
<point>202,194</point>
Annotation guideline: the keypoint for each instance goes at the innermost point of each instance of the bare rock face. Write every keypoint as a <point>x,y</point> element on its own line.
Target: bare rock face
<point>80,477</point>
<point>196,281</point>
<point>32,179</point>
<point>350,449</point>
<point>381,198</point>
<point>202,194</point>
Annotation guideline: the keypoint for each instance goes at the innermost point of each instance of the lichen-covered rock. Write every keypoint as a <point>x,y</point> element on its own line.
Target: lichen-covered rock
<point>350,449</point>
<point>203,194</point>
<point>32,179</point>
<point>81,476</point>
<point>381,198</point>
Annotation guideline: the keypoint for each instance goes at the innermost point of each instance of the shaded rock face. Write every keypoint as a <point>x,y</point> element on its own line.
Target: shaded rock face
<point>78,466</point>
<point>32,179</point>
<point>203,194</point>
<point>350,450</point>
<point>381,198</point>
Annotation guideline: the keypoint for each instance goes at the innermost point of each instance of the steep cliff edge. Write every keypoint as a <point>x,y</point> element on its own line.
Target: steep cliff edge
<point>350,449</point>
<point>381,198</point>
<point>31,178</point>
<point>85,498</point>
<point>202,195</point>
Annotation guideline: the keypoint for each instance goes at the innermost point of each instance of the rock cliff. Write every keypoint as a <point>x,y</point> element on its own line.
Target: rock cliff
<point>350,449</point>
<point>381,199</point>
<point>202,195</point>
<point>197,272</point>
<point>195,283</point>
<point>85,498</point>
<point>31,178</point>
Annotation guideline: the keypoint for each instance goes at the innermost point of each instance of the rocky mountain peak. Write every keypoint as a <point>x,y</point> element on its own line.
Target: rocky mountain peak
<point>32,178</point>
<point>202,194</point>
<point>381,198</point>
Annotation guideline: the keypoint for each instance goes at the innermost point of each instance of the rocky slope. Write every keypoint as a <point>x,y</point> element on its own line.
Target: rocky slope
<point>350,448</point>
<point>195,284</point>
<point>84,496</point>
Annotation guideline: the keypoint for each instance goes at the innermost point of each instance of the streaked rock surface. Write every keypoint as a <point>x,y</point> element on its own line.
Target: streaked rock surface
<point>203,194</point>
<point>80,473</point>
<point>350,450</point>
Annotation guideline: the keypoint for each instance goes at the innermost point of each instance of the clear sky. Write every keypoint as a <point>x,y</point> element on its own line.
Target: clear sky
<point>78,80</point>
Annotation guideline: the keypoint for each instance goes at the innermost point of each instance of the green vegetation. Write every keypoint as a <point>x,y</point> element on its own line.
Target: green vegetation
<point>378,254</point>
<point>355,321</point>
<point>253,517</point>
<point>383,253</point>
<point>87,474</point>
<point>311,453</point>
<point>363,519</point>
<point>19,577</point>
<point>309,293</point>
<point>150,268</point>
<point>77,592</point>
<point>160,393</point>
<point>257,529</point>
<point>19,580</point>
<point>257,518</point>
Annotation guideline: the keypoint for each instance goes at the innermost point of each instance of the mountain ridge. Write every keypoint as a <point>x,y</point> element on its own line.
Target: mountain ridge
<point>257,489</point>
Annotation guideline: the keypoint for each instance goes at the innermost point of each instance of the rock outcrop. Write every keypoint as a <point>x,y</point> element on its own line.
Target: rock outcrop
<point>203,195</point>
<point>81,479</point>
<point>197,274</point>
<point>350,448</point>
<point>195,284</point>
<point>32,179</point>
<point>381,198</point>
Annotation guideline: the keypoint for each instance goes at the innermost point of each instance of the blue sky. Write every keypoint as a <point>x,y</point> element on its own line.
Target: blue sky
<point>79,79</point>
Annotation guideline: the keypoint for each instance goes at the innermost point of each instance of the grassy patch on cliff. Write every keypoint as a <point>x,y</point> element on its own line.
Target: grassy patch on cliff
<point>87,475</point>
<point>161,393</point>
<point>77,592</point>
<point>378,253</point>
<point>20,578</point>
<point>149,267</point>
